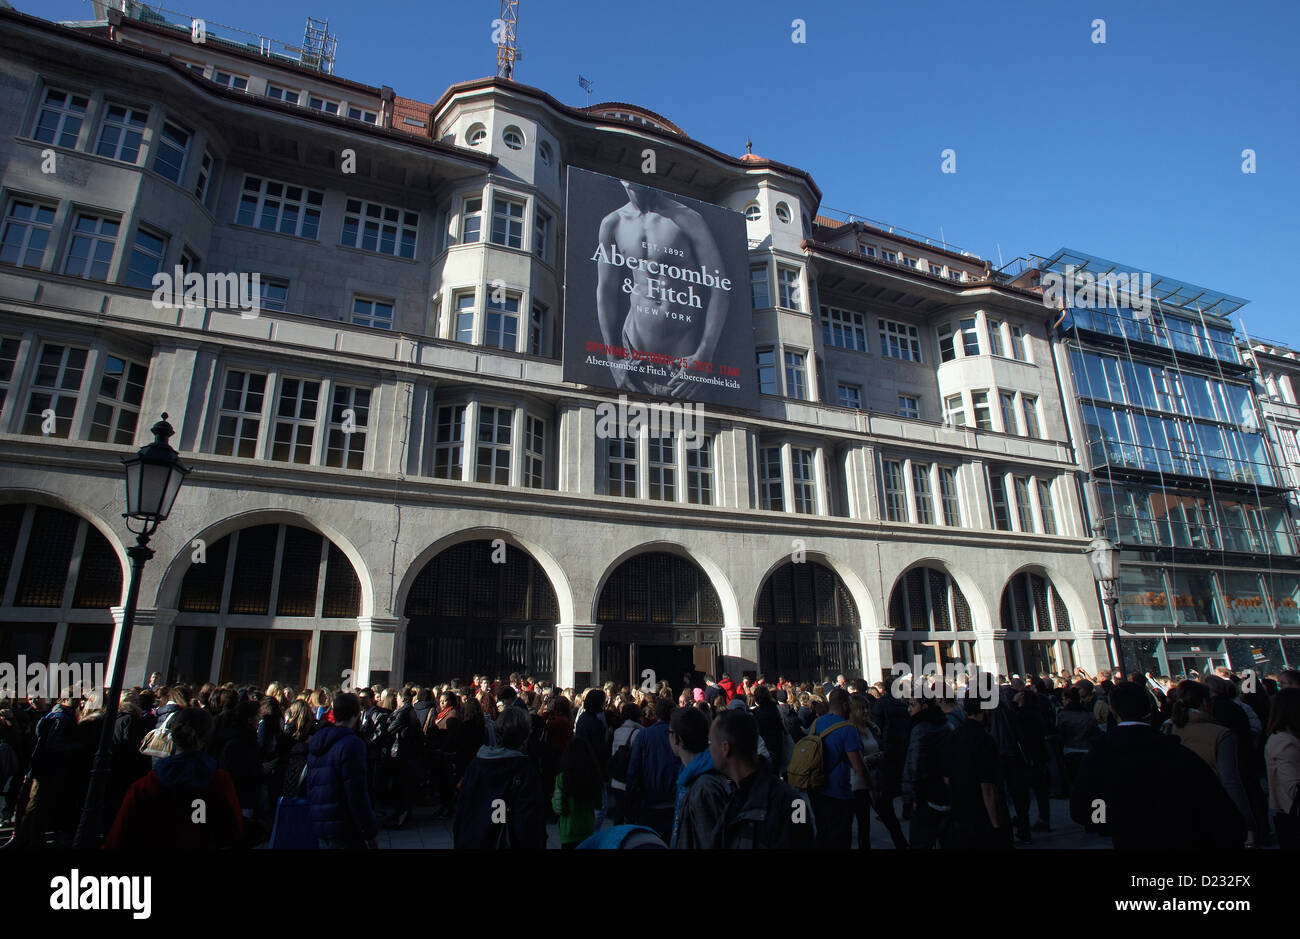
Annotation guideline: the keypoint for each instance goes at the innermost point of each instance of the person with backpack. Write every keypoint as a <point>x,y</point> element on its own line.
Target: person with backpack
<point>157,813</point>
<point>822,764</point>
<point>620,757</point>
<point>702,791</point>
<point>578,794</point>
<point>502,772</point>
<point>762,811</point>
<point>652,774</point>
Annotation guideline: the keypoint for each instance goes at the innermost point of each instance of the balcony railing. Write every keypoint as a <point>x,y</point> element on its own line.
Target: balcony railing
<point>1171,533</point>
<point>1171,334</point>
<point>1128,456</point>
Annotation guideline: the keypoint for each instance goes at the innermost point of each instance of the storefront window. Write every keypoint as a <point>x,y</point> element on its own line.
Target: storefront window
<point>1243,598</point>
<point>1142,596</point>
<point>1285,590</point>
<point>1194,598</point>
<point>1142,655</point>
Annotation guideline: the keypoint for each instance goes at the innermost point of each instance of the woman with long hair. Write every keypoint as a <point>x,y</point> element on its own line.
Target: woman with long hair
<point>1282,757</point>
<point>578,793</point>
<point>299,725</point>
<point>157,813</point>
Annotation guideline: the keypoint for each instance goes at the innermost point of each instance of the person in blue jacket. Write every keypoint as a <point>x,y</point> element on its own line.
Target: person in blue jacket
<point>652,774</point>
<point>341,814</point>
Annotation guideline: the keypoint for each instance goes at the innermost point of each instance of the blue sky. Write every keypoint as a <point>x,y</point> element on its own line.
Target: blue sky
<point>1129,149</point>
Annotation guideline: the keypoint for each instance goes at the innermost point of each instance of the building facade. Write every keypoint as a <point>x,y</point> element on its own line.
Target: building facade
<point>392,481</point>
<point>1182,478</point>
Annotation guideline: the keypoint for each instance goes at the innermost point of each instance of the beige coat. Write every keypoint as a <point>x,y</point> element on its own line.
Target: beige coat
<point>1282,754</point>
<point>1202,736</point>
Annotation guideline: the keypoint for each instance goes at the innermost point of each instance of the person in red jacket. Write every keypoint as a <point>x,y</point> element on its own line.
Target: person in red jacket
<point>185,801</point>
<point>728,685</point>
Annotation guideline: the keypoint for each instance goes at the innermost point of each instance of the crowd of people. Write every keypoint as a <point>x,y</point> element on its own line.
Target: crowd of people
<point>1146,760</point>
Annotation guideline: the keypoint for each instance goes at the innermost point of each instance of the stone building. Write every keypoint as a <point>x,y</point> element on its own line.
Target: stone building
<point>391,477</point>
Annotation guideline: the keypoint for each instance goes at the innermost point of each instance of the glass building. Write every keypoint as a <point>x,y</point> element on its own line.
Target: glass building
<point>1180,473</point>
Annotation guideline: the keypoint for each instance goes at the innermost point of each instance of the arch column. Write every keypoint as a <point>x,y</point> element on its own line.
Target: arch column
<point>151,635</point>
<point>577,654</point>
<point>989,649</point>
<point>381,647</point>
<point>1091,650</point>
<point>877,653</point>
<point>740,649</point>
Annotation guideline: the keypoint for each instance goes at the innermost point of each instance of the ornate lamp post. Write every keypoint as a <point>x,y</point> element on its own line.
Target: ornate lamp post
<point>1103,557</point>
<point>153,478</point>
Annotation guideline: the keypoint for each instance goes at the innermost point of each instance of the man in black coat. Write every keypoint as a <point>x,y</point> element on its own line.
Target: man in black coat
<point>762,811</point>
<point>501,801</point>
<point>1147,791</point>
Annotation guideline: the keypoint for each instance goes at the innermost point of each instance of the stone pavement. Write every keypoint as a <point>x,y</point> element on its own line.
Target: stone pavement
<point>426,831</point>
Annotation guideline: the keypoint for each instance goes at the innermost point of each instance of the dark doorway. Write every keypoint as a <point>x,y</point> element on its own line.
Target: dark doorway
<point>673,664</point>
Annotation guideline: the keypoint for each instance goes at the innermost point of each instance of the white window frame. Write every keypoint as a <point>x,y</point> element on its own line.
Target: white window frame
<point>243,414</point>
<point>789,291</point>
<point>374,220</point>
<point>297,423</point>
<point>162,144</point>
<point>126,128</point>
<point>67,112</point>
<point>509,220</point>
<point>505,314</point>
<point>57,390</point>
<point>372,317</point>
<point>457,417</point>
<point>306,206</point>
<point>850,326</point>
<point>342,398</point>
<point>29,226</point>
<point>900,337</point>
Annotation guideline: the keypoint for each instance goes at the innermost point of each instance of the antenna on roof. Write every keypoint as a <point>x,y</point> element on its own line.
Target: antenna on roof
<point>585,85</point>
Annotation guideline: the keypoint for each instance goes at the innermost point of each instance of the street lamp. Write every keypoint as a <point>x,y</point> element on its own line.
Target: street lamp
<point>153,478</point>
<point>1103,557</point>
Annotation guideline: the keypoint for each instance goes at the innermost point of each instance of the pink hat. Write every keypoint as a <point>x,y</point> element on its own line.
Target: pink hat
<point>699,694</point>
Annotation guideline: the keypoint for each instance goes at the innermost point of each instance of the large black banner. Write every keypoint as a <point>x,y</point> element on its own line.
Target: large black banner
<point>656,294</point>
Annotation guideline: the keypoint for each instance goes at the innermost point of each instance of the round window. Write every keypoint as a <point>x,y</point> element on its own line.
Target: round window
<point>513,137</point>
<point>782,212</point>
<point>476,135</point>
<point>752,212</point>
<point>544,151</point>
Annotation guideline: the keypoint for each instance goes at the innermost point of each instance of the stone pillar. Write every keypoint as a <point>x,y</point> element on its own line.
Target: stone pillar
<point>877,653</point>
<point>577,653</point>
<point>1091,650</point>
<point>151,636</point>
<point>381,647</point>
<point>740,650</point>
<point>989,651</point>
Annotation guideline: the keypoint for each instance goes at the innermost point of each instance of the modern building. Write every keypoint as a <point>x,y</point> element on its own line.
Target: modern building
<point>1181,477</point>
<point>392,477</point>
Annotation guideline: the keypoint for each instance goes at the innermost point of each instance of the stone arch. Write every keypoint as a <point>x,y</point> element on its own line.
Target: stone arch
<point>832,642</point>
<point>169,586</point>
<point>479,604</point>
<point>971,592</point>
<point>1075,606</point>
<point>717,577</point>
<point>543,558</point>
<point>92,517</point>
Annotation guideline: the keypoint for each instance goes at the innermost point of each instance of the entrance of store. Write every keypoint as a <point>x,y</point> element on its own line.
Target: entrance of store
<point>1201,663</point>
<point>673,664</point>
